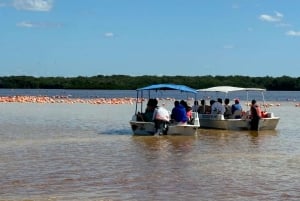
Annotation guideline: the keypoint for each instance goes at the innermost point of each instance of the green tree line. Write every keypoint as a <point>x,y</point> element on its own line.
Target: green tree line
<point>126,82</point>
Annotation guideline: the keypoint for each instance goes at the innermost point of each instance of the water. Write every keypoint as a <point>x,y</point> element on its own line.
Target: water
<point>87,152</point>
<point>70,93</point>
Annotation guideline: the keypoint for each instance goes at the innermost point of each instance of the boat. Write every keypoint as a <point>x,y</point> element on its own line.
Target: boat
<point>217,121</point>
<point>142,127</point>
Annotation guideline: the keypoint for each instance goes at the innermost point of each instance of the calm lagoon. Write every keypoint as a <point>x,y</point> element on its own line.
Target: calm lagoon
<point>87,152</point>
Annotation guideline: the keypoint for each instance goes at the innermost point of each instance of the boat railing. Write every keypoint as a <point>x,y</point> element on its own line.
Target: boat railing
<point>211,116</point>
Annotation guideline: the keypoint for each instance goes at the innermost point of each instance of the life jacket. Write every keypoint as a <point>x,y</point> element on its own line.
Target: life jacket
<point>258,111</point>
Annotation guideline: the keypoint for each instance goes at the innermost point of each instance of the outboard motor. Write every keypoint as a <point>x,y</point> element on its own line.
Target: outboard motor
<point>165,128</point>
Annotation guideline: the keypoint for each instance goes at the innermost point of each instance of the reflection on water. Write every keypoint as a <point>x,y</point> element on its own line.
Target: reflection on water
<point>87,152</point>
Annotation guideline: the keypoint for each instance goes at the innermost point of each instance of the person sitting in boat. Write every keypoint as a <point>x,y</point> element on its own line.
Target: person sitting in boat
<point>202,108</point>
<point>195,106</point>
<point>161,118</point>
<point>189,114</point>
<point>179,113</point>
<point>255,115</point>
<point>217,107</point>
<point>148,115</point>
<point>188,110</point>
<point>208,108</point>
<point>236,109</point>
<point>227,113</point>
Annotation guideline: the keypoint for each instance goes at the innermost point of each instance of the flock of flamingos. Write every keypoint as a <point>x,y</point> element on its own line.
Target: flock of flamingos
<point>69,100</point>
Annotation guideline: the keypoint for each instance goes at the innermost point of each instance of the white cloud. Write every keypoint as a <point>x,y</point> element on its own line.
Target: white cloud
<point>293,33</point>
<point>271,18</point>
<point>27,24</point>
<point>33,5</point>
<point>109,35</point>
<point>278,14</point>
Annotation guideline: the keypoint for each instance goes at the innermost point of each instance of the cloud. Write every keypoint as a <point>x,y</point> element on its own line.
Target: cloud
<point>27,24</point>
<point>109,35</point>
<point>278,14</point>
<point>33,5</point>
<point>271,18</point>
<point>293,33</point>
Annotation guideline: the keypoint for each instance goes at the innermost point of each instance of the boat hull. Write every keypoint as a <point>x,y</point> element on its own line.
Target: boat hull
<point>268,123</point>
<point>182,130</point>
<point>142,128</point>
<point>218,122</point>
<point>148,128</point>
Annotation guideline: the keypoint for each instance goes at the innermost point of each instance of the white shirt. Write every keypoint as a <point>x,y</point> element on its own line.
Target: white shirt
<point>217,108</point>
<point>161,113</point>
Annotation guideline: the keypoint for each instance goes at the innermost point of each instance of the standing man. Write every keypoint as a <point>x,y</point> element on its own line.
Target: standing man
<point>255,115</point>
<point>161,118</point>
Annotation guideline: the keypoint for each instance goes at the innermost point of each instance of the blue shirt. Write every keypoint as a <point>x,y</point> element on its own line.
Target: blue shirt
<point>235,107</point>
<point>179,113</point>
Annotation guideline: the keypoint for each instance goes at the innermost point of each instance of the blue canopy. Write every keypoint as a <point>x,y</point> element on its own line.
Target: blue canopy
<point>169,87</point>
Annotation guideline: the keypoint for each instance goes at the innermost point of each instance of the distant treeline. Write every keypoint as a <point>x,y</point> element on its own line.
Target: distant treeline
<point>126,82</point>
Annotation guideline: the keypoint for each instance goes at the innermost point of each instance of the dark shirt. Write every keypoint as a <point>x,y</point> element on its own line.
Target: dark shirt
<point>227,113</point>
<point>148,116</point>
<point>255,111</point>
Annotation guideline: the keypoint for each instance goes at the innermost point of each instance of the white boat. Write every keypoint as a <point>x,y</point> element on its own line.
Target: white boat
<point>148,128</point>
<point>217,121</point>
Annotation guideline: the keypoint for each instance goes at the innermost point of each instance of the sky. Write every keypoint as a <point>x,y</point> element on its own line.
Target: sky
<point>73,38</point>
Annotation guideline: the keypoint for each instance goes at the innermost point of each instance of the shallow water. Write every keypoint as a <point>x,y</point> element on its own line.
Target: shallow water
<point>87,152</point>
